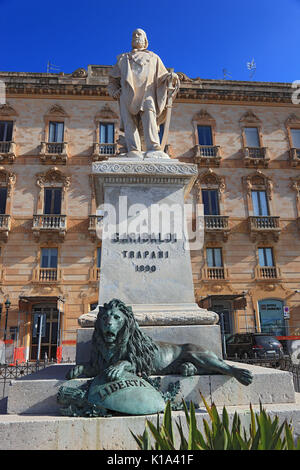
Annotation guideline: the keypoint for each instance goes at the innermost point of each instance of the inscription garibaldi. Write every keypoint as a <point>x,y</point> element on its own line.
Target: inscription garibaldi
<point>140,81</point>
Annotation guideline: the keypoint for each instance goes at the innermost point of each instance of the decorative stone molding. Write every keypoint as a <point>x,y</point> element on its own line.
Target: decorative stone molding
<point>253,156</point>
<point>261,228</point>
<point>293,122</point>
<point>8,148</point>
<point>56,111</point>
<point>54,152</point>
<point>142,168</point>
<point>53,177</point>
<point>79,73</point>
<point>250,118</point>
<point>258,181</point>
<point>7,180</point>
<point>102,151</point>
<point>205,155</point>
<point>7,111</point>
<point>210,180</point>
<point>52,226</point>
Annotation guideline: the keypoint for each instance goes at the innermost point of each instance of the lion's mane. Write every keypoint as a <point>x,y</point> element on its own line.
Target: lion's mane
<point>132,344</point>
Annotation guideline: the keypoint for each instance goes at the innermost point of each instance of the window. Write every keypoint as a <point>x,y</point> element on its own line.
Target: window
<point>252,136</point>
<point>52,200</point>
<point>3,197</point>
<point>214,257</point>
<point>6,128</point>
<point>49,258</point>
<point>98,256</point>
<point>295,133</point>
<point>260,203</point>
<point>210,201</point>
<point>56,131</point>
<point>204,135</point>
<point>107,133</point>
<point>265,257</point>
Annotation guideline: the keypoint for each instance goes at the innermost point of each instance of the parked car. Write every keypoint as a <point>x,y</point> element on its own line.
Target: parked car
<point>253,345</point>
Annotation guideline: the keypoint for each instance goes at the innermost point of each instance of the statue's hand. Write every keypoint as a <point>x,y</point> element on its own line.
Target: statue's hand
<point>75,372</point>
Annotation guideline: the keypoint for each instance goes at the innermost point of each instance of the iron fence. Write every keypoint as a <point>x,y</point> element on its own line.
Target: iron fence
<point>10,372</point>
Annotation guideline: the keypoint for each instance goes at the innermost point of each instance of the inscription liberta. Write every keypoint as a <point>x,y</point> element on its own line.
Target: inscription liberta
<point>122,384</point>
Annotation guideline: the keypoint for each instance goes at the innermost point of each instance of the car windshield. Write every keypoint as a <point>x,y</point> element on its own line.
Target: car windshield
<point>266,340</point>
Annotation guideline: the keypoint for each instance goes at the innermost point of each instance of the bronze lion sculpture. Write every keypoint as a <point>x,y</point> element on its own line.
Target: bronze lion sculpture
<point>119,345</point>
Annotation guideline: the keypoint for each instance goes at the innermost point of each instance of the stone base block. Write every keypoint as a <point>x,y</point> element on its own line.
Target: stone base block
<point>207,336</point>
<point>65,433</point>
<point>36,393</point>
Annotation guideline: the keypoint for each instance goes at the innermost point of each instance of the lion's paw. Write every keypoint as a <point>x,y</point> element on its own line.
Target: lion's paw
<point>244,376</point>
<point>187,368</point>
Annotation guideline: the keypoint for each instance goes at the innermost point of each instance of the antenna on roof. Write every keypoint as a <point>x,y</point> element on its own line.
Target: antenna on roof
<point>52,67</point>
<point>251,66</point>
<point>226,74</point>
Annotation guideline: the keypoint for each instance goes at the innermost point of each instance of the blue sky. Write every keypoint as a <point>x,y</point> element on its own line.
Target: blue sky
<point>199,38</point>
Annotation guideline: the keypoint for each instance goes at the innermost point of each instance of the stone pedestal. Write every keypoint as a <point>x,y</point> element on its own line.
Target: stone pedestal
<point>145,259</point>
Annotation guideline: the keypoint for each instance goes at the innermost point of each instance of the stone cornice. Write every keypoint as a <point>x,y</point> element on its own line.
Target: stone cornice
<point>94,84</point>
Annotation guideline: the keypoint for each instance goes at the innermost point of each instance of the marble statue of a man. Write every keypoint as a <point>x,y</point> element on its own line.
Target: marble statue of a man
<point>139,80</point>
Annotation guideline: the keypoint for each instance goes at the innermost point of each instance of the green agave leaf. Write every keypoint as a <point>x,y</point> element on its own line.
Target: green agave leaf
<point>138,440</point>
<point>162,443</point>
<point>289,437</point>
<point>183,441</point>
<point>167,421</point>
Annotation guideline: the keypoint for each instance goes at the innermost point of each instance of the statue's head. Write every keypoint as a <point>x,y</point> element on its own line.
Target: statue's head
<point>139,39</point>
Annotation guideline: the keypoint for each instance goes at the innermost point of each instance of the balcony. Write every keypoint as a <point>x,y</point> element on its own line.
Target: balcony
<point>103,151</point>
<point>207,155</point>
<point>217,224</point>
<point>267,272</point>
<point>264,226</point>
<point>256,156</point>
<point>214,273</point>
<point>54,152</point>
<point>5,224</point>
<point>7,152</point>
<point>294,157</point>
<point>54,226</point>
<point>95,225</point>
<point>46,275</point>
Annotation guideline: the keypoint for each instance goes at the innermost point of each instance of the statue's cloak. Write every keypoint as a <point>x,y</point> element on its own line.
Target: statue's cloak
<point>143,80</point>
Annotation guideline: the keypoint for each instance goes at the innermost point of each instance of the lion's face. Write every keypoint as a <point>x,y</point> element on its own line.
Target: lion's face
<point>111,322</point>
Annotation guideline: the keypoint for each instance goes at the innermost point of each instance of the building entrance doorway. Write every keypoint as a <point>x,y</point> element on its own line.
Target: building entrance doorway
<point>224,310</point>
<point>44,332</point>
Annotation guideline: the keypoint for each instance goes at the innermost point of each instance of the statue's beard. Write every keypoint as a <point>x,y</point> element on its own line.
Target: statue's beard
<point>138,44</point>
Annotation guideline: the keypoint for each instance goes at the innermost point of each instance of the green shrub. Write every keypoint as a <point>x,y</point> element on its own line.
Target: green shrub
<point>264,432</point>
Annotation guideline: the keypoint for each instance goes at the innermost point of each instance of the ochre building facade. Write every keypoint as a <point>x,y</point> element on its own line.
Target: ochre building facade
<point>244,138</point>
